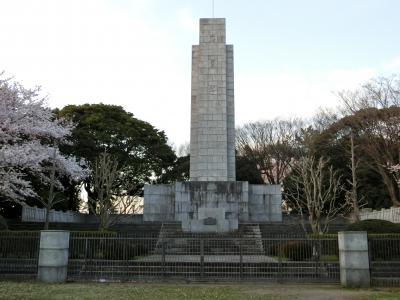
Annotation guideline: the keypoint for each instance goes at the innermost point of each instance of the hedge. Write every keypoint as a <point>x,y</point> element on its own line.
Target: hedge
<point>374,226</point>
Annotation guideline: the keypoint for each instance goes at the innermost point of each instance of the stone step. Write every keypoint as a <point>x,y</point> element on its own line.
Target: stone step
<point>179,269</point>
<point>172,234</point>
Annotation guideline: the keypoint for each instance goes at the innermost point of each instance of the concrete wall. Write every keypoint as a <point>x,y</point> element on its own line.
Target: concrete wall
<point>159,203</point>
<point>265,203</point>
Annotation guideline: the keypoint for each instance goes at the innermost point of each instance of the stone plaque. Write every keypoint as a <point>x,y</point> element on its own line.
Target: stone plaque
<point>210,221</point>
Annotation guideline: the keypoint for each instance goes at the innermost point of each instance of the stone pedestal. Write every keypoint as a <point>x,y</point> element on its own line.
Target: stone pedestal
<point>53,256</point>
<point>217,206</point>
<point>211,206</point>
<point>354,259</point>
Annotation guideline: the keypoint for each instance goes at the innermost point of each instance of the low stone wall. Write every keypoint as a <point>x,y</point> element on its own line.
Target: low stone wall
<point>35,214</point>
<point>391,214</point>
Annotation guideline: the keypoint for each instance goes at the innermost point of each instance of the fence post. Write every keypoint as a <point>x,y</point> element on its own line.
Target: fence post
<point>163,258</point>
<point>201,258</point>
<point>280,266</point>
<point>53,256</point>
<point>354,259</point>
<point>86,249</point>
<point>240,260</point>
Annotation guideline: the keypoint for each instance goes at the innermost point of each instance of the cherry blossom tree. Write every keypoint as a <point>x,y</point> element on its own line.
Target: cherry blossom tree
<point>29,139</point>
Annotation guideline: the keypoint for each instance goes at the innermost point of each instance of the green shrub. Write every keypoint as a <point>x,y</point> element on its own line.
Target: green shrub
<point>297,250</point>
<point>374,226</point>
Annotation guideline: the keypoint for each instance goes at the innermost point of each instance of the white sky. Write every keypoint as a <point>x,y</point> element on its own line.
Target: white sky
<point>137,54</point>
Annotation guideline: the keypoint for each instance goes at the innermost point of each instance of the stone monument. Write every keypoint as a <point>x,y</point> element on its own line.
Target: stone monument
<point>212,201</point>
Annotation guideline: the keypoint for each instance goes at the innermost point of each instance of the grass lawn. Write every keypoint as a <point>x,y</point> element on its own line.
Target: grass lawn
<point>176,291</point>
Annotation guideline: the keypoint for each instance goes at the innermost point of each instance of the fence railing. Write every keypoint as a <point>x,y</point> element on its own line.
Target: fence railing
<point>277,259</point>
<point>19,254</point>
<point>391,214</point>
<point>384,254</point>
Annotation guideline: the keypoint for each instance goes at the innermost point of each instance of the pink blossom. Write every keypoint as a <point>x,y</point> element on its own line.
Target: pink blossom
<point>25,123</point>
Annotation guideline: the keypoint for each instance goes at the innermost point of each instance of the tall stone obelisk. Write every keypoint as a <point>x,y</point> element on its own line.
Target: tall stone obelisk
<point>212,139</point>
<point>212,201</point>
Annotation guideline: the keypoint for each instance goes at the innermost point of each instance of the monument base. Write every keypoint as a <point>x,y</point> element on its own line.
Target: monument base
<point>219,206</point>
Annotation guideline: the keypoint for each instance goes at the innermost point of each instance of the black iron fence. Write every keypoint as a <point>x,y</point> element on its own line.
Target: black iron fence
<point>109,257</point>
<point>132,258</point>
<point>384,254</point>
<point>19,254</point>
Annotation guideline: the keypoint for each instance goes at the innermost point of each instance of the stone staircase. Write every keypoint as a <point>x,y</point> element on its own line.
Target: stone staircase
<point>172,240</point>
<point>251,239</point>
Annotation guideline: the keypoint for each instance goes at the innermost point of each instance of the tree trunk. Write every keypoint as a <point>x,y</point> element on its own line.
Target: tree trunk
<point>50,199</point>
<point>92,196</point>
<point>390,187</point>
<point>46,223</point>
<point>354,195</point>
<point>313,224</point>
<point>3,223</point>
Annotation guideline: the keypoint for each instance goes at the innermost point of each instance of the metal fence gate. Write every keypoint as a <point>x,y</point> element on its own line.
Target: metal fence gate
<point>19,253</point>
<point>384,256</point>
<point>133,258</point>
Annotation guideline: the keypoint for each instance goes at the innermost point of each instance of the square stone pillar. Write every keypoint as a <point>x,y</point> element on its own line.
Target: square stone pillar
<point>354,259</point>
<point>53,256</point>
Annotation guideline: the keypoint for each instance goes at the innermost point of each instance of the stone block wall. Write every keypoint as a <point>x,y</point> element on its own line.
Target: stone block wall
<point>230,113</point>
<point>159,203</point>
<point>265,203</point>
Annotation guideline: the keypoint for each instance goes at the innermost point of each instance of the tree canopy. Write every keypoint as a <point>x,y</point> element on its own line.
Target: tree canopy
<point>140,148</point>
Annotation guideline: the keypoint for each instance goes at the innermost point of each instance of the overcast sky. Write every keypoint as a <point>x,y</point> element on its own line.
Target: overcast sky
<point>290,56</point>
